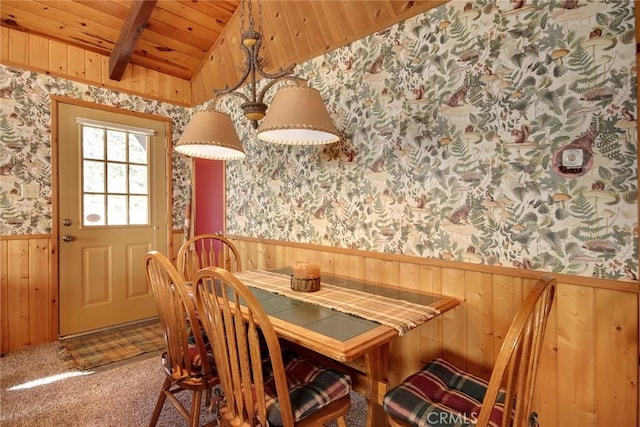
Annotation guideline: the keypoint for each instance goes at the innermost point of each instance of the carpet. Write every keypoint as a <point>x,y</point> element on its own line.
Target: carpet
<point>100,348</point>
<point>37,388</point>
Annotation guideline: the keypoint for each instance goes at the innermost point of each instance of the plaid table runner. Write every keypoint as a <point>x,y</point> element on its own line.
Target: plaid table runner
<point>398,314</point>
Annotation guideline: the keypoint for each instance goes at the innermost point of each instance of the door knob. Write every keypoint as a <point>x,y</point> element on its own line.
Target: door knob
<point>68,238</point>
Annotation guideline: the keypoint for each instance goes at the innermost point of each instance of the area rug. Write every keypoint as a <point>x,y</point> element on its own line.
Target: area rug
<point>113,345</point>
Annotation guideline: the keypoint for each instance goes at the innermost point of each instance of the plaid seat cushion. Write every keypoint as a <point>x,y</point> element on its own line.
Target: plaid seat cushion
<point>196,363</point>
<point>311,387</point>
<point>440,395</point>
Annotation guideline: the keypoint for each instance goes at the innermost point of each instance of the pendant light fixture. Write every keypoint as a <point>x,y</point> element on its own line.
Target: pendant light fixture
<point>297,115</point>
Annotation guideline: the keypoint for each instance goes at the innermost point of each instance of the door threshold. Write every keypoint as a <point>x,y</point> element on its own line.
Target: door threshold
<point>108,328</point>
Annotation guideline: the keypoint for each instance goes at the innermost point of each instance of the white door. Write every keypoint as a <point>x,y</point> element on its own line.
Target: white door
<point>112,210</point>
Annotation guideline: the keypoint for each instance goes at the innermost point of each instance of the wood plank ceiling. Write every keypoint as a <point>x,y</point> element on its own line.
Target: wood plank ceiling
<point>198,40</point>
<point>174,39</point>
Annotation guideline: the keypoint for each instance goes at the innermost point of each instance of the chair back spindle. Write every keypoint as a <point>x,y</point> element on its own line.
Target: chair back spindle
<point>250,361</point>
<point>506,400</point>
<point>186,361</point>
<point>207,250</point>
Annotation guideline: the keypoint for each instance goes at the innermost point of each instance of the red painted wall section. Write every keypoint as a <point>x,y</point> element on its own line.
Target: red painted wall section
<point>209,196</point>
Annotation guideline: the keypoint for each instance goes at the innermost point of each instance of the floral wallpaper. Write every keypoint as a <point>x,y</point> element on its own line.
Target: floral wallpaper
<point>494,132</point>
<point>25,145</point>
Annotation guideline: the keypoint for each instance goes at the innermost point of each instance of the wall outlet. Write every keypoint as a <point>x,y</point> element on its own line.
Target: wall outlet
<point>30,191</point>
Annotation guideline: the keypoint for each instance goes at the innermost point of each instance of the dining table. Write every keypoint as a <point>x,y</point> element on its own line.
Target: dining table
<point>346,324</point>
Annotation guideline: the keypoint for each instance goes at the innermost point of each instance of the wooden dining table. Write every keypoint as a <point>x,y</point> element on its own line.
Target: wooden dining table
<point>335,324</point>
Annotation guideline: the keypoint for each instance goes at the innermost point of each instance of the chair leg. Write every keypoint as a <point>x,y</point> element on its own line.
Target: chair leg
<point>342,421</point>
<point>195,408</point>
<point>160,403</point>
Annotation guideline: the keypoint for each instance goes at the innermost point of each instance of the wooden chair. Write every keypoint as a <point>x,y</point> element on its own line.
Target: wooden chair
<point>187,363</point>
<point>442,394</point>
<point>207,250</point>
<point>262,385</point>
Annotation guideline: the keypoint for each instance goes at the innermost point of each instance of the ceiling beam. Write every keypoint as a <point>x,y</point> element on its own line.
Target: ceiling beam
<point>131,30</point>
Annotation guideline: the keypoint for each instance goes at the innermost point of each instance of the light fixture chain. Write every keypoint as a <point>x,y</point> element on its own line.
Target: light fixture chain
<point>250,14</point>
<point>260,17</point>
<point>242,17</point>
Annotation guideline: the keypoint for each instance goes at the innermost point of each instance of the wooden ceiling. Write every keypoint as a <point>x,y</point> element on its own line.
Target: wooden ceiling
<point>174,39</point>
<point>198,40</point>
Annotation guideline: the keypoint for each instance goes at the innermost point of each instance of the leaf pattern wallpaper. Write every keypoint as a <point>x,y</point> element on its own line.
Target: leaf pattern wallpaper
<point>25,145</point>
<point>501,133</point>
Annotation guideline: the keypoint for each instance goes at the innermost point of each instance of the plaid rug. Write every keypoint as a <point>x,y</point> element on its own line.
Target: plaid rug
<point>101,348</point>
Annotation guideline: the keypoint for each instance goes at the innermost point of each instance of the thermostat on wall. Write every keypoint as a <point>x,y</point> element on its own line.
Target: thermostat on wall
<point>572,158</point>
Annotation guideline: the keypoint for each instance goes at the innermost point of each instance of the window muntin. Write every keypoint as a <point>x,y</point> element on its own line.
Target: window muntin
<point>115,176</point>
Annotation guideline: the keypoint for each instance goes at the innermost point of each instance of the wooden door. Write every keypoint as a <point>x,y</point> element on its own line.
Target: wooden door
<point>112,210</point>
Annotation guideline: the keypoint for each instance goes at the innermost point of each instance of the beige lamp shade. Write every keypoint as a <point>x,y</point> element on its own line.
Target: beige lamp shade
<point>297,116</point>
<point>211,135</point>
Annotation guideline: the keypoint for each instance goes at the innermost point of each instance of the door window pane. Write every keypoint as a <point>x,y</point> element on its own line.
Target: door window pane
<point>93,208</point>
<point>116,145</point>
<point>93,176</point>
<point>138,148</point>
<point>117,210</point>
<point>138,210</point>
<point>115,177</point>
<point>138,179</point>
<point>92,143</point>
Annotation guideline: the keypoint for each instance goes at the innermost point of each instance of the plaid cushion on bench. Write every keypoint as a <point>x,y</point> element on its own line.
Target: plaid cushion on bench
<point>440,395</point>
<point>311,387</point>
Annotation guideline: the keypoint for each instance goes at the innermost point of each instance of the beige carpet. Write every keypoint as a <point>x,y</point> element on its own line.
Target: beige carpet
<point>119,394</point>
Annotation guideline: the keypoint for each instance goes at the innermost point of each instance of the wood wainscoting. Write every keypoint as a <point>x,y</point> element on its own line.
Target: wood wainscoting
<point>589,367</point>
<point>28,292</point>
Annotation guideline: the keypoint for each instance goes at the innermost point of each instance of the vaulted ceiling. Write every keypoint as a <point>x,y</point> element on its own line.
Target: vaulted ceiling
<point>172,37</point>
<point>198,40</point>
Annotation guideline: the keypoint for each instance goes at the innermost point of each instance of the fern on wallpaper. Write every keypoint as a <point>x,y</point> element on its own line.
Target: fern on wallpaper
<point>455,123</point>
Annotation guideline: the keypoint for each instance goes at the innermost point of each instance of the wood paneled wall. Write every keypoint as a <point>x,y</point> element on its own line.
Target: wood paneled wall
<point>589,366</point>
<point>28,292</point>
<point>58,59</point>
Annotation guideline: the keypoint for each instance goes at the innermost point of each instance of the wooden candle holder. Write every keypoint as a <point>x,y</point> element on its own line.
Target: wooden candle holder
<point>305,285</point>
<point>305,277</point>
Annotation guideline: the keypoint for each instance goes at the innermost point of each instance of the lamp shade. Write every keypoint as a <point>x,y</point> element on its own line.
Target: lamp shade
<point>297,116</point>
<point>211,135</point>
